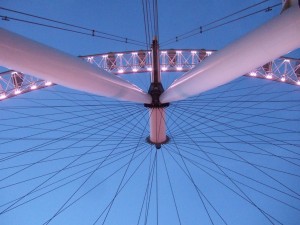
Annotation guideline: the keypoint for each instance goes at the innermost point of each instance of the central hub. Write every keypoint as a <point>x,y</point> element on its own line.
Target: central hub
<point>155,90</point>
<point>156,109</point>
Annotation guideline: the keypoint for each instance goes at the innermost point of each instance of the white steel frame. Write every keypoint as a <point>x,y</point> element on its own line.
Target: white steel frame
<point>283,69</point>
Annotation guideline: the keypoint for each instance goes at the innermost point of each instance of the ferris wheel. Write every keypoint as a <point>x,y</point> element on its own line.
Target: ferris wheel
<point>227,153</point>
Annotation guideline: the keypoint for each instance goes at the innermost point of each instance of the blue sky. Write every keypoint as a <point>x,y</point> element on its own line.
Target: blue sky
<point>244,134</point>
<point>126,20</point>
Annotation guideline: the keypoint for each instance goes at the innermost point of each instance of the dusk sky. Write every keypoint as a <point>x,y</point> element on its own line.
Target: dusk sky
<point>72,158</point>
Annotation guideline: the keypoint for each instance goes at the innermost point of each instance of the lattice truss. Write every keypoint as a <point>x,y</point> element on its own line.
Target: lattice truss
<point>283,69</point>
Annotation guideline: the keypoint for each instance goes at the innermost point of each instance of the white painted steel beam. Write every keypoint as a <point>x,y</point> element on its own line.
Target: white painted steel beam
<point>27,56</point>
<point>277,37</point>
<point>157,126</point>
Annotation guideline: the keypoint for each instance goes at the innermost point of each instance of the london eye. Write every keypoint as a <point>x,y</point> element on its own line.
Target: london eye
<point>150,128</point>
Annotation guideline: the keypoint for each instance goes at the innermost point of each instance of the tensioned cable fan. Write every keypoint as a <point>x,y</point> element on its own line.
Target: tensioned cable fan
<point>275,38</point>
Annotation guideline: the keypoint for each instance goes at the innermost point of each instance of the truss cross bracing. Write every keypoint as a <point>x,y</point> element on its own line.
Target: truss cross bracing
<point>283,69</point>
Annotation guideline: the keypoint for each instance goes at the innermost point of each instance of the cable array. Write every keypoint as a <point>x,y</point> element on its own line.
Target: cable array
<point>220,22</point>
<point>150,13</point>
<point>68,27</point>
<point>233,148</point>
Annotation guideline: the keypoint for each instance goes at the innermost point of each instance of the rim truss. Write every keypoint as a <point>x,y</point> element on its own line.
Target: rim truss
<point>13,83</point>
<point>283,69</point>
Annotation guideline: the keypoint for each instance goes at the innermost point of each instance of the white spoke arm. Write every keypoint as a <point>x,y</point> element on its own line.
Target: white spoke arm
<point>27,56</point>
<point>274,39</point>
